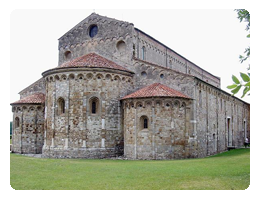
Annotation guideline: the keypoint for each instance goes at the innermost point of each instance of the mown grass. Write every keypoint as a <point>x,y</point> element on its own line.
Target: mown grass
<point>226,171</point>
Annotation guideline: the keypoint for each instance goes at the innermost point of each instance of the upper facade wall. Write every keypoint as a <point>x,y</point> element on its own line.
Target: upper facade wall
<point>36,87</point>
<point>112,39</point>
<point>153,51</point>
<point>147,73</point>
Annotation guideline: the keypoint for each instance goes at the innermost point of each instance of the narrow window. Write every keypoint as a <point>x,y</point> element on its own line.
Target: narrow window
<point>145,123</point>
<point>143,53</point>
<point>17,122</point>
<point>61,106</point>
<point>170,63</point>
<point>93,107</point>
<point>229,132</point>
<point>200,99</point>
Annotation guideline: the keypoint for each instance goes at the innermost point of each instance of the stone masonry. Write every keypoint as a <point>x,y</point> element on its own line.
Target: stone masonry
<point>119,92</point>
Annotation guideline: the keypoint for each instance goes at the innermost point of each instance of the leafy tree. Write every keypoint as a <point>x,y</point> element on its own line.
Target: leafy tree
<point>243,15</point>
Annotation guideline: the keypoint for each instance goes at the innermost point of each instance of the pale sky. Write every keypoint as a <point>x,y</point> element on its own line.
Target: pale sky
<point>212,39</point>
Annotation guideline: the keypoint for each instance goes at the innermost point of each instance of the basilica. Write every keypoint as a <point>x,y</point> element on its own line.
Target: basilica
<point>117,91</point>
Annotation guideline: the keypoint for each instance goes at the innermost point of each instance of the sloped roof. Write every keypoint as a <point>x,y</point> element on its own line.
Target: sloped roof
<point>156,90</point>
<point>93,60</point>
<point>95,16</point>
<point>37,98</point>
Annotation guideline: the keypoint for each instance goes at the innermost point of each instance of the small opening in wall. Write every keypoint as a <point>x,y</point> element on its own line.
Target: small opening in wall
<point>93,30</point>
<point>17,122</point>
<point>94,110</point>
<point>94,105</point>
<point>67,54</point>
<point>161,75</point>
<point>121,46</point>
<point>61,106</point>
<point>144,74</point>
<point>143,56</point>
<point>144,123</point>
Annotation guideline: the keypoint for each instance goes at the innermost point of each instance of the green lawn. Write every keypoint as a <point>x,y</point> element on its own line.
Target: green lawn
<point>226,171</point>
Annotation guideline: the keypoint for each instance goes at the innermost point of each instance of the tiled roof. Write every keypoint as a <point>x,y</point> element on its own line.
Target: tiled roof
<point>156,90</point>
<point>32,99</point>
<point>93,60</point>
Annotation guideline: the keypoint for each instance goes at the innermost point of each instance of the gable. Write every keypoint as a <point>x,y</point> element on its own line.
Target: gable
<point>106,28</point>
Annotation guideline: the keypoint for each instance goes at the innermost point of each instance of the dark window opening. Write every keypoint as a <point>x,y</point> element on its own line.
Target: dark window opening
<point>145,123</point>
<point>93,31</point>
<point>67,54</point>
<point>61,106</point>
<point>94,107</point>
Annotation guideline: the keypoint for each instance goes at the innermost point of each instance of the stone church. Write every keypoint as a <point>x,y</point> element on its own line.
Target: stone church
<point>117,91</point>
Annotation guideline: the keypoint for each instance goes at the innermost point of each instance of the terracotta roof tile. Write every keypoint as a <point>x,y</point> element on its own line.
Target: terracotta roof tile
<point>32,99</point>
<point>156,90</point>
<point>93,60</point>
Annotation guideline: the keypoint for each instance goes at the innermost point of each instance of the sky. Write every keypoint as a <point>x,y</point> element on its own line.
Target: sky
<point>212,39</point>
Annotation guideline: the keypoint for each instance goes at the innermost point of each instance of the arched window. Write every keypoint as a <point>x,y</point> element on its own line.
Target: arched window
<point>200,98</point>
<point>143,53</point>
<point>17,122</point>
<point>94,102</point>
<point>144,123</point>
<point>61,106</point>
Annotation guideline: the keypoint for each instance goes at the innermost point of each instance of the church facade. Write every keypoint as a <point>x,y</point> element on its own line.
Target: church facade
<point>119,92</point>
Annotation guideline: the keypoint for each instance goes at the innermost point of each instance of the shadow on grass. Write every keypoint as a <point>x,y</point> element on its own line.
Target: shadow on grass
<point>233,152</point>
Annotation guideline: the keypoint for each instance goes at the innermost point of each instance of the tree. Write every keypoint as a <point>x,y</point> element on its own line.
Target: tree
<point>243,15</point>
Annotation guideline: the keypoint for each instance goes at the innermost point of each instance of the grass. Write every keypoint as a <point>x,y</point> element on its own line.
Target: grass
<point>226,171</point>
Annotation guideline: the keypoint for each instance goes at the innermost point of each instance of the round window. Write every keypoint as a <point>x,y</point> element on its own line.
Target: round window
<point>161,75</point>
<point>93,31</point>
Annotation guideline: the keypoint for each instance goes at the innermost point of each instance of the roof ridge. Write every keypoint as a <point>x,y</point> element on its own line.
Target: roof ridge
<point>93,60</point>
<point>156,90</point>
<point>91,16</point>
<point>34,98</point>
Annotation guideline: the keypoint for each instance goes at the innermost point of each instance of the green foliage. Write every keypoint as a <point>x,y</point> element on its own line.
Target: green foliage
<point>237,85</point>
<point>243,15</point>
<point>226,171</point>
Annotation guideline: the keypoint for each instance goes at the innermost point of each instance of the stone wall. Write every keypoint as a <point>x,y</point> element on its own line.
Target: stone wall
<point>78,129</point>
<point>148,73</point>
<point>28,129</point>
<point>36,87</point>
<point>149,49</point>
<point>222,121</point>
<point>168,131</point>
<point>112,41</point>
